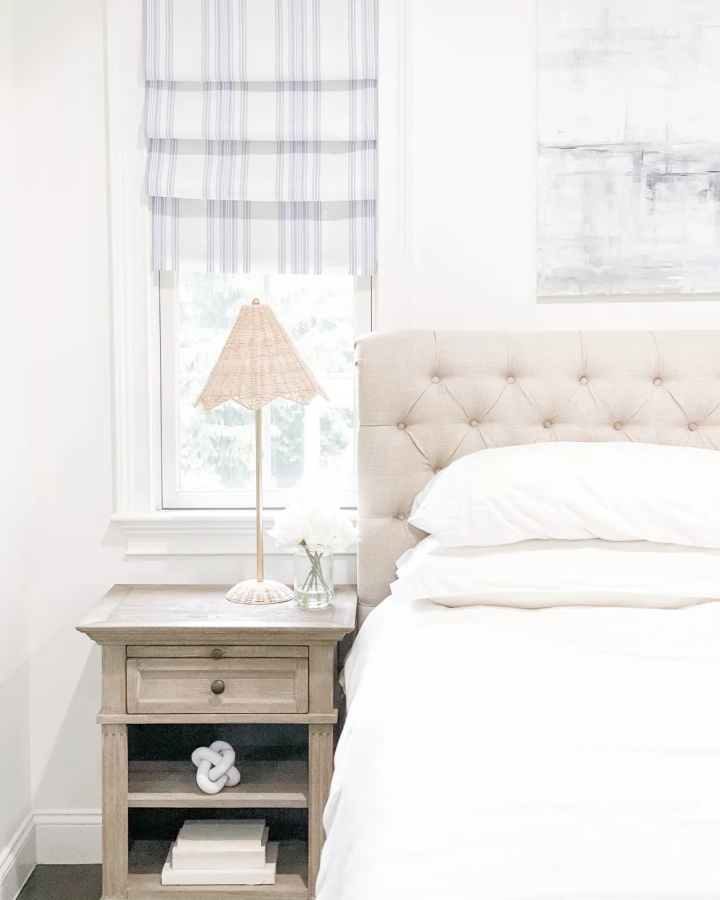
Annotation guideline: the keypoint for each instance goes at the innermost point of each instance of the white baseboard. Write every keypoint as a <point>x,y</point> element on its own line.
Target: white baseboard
<point>69,837</point>
<point>64,837</point>
<point>17,860</point>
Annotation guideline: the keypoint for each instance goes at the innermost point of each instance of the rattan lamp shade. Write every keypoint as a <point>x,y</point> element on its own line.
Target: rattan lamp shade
<point>258,364</point>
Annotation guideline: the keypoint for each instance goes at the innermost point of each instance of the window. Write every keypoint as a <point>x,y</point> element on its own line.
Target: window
<point>260,156</point>
<point>208,457</point>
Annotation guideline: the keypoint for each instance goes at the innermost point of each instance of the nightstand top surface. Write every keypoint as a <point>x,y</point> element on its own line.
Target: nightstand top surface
<point>189,613</point>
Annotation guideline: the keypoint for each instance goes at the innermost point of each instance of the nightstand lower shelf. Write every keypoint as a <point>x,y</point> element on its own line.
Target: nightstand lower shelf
<point>147,859</point>
<point>166,785</point>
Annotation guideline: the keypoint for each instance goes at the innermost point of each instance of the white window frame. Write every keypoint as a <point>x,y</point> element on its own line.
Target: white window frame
<point>148,530</point>
<point>172,496</point>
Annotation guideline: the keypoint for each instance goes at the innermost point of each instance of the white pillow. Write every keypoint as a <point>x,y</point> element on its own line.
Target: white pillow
<point>575,491</point>
<point>539,574</point>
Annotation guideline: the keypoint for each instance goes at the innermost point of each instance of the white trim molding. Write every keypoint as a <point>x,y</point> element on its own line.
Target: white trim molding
<point>17,860</point>
<point>195,532</point>
<point>169,533</point>
<point>50,837</point>
<point>135,314</point>
<point>395,304</point>
<point>68,837</point>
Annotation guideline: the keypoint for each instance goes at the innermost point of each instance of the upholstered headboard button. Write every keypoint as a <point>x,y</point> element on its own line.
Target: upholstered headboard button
<point>547,423</point>
<point>692,426</point>
<point>435,379</point>
<point>473,423</point>
<point>657,382</point>
<point>402,426</point>
<point>510,379</point>
<point>583,380</point>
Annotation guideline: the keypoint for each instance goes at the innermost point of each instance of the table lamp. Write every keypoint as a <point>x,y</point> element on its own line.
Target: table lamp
<point>258,364</point>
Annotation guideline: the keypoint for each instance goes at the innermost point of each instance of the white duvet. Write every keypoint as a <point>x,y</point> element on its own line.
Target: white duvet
<point>502,754</point>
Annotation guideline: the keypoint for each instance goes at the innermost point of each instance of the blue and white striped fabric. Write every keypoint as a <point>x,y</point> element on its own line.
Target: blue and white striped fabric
<point>233,111</point>
<point>261,117</point>
<point>282,238</point>
<point>261,170</point>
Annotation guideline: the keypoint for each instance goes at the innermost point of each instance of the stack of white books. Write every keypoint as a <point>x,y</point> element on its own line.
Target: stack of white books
<point>221,851</point>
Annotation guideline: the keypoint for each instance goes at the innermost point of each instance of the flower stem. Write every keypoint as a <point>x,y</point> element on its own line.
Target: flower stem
<point>315,577</point>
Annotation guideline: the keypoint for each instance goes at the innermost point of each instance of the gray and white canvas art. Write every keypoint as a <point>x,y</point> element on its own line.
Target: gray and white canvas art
<point>629,147</point>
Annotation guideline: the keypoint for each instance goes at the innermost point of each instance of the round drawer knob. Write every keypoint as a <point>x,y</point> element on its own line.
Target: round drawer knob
<point>217,687</point>
<point>216,654</point>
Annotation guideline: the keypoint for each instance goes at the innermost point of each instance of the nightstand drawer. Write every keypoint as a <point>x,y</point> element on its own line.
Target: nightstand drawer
<point>240,685</point>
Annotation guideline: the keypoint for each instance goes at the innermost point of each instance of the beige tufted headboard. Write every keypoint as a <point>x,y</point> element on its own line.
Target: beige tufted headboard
<point>427,398</point>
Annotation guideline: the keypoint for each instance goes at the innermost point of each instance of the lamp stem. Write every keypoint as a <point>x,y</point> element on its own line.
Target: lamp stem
<point>258,493</point>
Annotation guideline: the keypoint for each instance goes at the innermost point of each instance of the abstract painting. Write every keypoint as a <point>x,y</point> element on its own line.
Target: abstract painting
<point>629,147</point>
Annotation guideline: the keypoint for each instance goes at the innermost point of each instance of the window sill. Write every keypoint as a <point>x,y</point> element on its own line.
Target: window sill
<point>197,533</point>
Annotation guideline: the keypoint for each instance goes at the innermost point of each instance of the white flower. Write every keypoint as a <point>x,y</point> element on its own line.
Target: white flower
<point>315,527</point>
<point>291,526</point>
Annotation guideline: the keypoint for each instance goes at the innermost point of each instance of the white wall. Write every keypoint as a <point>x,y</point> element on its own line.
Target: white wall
<point>63,259</point>
<point>73,557</point>
<point>472,244</point>
<point>14,646</point>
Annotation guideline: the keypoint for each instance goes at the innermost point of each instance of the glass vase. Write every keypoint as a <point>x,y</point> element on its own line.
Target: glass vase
<point>314,578</point>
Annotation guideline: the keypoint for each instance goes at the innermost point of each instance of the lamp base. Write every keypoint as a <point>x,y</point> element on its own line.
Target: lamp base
<point>260,592</point>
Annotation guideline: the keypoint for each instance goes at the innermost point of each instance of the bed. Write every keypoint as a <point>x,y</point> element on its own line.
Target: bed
<point>514,754</point>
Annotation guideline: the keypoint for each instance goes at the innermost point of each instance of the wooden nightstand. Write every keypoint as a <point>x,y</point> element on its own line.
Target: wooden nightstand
<point>176,654</point>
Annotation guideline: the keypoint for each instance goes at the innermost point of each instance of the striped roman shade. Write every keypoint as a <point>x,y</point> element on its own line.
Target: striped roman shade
<point>261,119</point>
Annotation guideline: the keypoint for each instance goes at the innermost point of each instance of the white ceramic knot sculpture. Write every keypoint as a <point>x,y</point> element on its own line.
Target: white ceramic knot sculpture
<point>216,767</point>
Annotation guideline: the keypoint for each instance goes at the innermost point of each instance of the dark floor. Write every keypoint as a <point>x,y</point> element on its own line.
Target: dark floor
<point>63,883</point>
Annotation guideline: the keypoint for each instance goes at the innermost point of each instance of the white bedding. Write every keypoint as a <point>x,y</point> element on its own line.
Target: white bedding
<point>573,491</point>
<point>535,574</point>
<point>554,754</point>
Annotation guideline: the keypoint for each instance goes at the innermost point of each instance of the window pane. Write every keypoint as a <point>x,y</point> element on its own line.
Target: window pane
<point>306,448</point>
